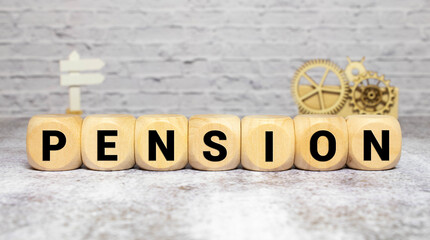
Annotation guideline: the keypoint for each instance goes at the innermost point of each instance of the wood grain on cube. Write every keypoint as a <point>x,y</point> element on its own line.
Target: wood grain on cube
<point>108,141</point>
<point>321,142</point>
<point>161,142</point>
<point>214,142</point>
<point>375,142</point>
<point>53,142</point>
<point>268,143</point>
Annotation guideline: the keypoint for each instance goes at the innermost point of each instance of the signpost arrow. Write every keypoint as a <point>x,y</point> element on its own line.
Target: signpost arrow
<point>81,79</point>
<point>81,65</point>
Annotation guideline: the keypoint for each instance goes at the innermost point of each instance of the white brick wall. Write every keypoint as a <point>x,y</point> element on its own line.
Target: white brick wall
<point>205,56</point>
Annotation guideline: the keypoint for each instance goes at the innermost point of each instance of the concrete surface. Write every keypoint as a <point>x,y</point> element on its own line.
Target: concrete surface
<point>238,204</point>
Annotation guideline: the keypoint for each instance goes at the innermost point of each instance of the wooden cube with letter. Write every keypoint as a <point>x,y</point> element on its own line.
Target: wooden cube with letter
<point>53,142</point>
<point>161,142</point>
<point>322,142</point>
<point>108,141</point>
<point>375,142</point>
<point>214,142</point>
<point>268,143</point>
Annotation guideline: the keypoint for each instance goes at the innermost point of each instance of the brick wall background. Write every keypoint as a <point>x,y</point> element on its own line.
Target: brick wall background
<point>205,56</point>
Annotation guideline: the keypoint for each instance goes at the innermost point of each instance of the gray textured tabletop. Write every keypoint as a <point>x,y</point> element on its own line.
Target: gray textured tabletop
<point>237,204</point>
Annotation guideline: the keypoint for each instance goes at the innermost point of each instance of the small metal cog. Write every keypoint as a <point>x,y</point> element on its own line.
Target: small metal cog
<point>354,65</point>
<point>369,97</point>
<point>320,89</point>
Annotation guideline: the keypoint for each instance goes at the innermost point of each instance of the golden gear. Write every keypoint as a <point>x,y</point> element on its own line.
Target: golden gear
<point>372,95</point>
<point>323,91</point>
<point>354,65</point>
<point>368,97</point>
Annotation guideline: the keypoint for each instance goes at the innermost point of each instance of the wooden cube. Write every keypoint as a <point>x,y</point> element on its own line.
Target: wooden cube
<point>161,142</point>
<point>53,142</point>
<point>321,142</point>
<point>108,141</point>
<point>375,142</point>
<point>268,143</point>
<point>214,142</point>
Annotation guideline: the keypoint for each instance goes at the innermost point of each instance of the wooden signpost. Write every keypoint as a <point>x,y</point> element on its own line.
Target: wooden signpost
<point>74,79</point>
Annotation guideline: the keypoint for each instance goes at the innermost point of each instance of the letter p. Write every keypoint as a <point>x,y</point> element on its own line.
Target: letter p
<point>47,147</point>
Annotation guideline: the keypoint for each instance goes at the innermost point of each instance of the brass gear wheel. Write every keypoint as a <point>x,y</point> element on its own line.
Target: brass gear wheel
<point>368,96</point>
<point>354,65</point>
<point>372,95</point>
<point>323,91</point>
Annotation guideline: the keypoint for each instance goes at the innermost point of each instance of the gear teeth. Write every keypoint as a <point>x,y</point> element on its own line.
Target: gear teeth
<point>372,75</point>
<point>344,86</point>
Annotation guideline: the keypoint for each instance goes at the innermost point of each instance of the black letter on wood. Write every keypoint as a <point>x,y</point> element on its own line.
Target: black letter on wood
<point>168,150</point>
<point>46,143</point>
<point>369,140</point>
<point>102,144</point>
<point>269,146</point>
<point>331,146</point>
<point>208,141</point>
